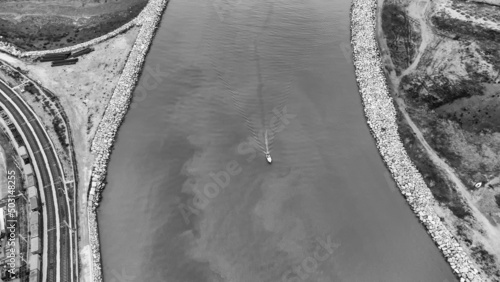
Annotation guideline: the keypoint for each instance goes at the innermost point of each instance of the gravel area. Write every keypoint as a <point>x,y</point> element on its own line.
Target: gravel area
<point>381,118</point>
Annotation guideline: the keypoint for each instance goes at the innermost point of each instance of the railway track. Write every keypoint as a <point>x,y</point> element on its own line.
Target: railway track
<point>60,245</point>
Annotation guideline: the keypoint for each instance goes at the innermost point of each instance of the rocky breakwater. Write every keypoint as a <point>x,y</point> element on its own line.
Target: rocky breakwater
<point>381,118</point>
<point>149,20</point>
<point>9,49</point>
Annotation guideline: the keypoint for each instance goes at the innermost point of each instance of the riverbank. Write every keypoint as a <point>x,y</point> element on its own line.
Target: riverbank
<point>381,118</point>
<point>113,116</point>
<point>448,149</point>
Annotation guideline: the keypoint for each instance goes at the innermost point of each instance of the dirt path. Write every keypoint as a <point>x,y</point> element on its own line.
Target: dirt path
<point>491,236</point>
<point>417,10</point>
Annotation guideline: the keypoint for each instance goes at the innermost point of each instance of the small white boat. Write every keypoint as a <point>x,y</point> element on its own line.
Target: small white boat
<point>269,159</point>
<point>268,155</point>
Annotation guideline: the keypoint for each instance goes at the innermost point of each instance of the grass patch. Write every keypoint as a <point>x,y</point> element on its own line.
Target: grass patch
<point>31,89</point>
<point>465,29</point>
<point>439,186</point>
<point>402,40</point>
<point>476,114</point>
<point>48,32</point>
<point>488,261</point>
<point>490,53</point>
<point>439,141</point>
<point>60,131</point>
<point>435,91</point>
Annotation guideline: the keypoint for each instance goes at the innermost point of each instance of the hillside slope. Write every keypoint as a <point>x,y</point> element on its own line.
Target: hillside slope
<point>36,25</point>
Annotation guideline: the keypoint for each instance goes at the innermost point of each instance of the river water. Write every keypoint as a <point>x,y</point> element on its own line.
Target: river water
<point>190,197</point>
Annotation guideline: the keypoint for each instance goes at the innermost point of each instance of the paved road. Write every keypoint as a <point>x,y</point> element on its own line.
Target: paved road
<point>57,209</point>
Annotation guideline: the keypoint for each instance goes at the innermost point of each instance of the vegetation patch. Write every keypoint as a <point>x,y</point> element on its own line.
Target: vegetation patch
<point>458,122</point>
<point>466,29</point>
<point>439,141</point>
<point>439,186</point>
<point>488,260</point>
<point>31,33</point>
<point>477,10</point>
<point>49,107</point>
<point>403,37</point>
<point>474,114</point>
<point>435,91</point>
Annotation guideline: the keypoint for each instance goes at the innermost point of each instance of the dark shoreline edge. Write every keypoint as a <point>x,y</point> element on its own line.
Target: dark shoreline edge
<point>380,114</point>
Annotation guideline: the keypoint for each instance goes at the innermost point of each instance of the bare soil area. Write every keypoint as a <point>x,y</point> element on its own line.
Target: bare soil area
<point>85,87</point>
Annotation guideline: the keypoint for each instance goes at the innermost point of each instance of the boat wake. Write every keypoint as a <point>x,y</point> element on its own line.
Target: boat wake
<point>257,102</point>
<point>268,154</point>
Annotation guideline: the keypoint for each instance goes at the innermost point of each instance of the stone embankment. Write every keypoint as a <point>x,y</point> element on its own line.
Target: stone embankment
<point>104,138</point>
<point>381,117</point>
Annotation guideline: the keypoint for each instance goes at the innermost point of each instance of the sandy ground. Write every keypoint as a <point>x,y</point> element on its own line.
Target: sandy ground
<point>83,90</point>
